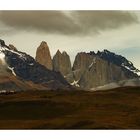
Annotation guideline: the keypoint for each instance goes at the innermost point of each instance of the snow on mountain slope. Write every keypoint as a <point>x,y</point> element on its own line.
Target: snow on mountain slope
<point>106,87</point>
<point>101,70</point>
<point>2,59</point>
<point>24,66</point>
<point>124,83</point>
<point>75,83</point>
<point>117,60</point>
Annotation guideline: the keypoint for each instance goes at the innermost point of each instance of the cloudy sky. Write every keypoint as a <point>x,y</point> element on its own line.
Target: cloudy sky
<point>73,31</point>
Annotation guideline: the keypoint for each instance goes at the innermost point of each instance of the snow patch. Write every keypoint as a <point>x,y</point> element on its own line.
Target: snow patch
<point>136,71</point>
<point>93,62</point>
<point>106,87</point>
<point>91,65</point>
<point>75,83</point>
<point>126,67</point>
<point>12,70</point>
<point>123,83</point>
<point>12,51</point>
<point>130,62</point>
<point>31,64</point>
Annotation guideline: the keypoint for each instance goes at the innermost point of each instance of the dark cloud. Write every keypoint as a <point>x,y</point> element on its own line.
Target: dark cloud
<point>76,22</point>
<point>47,21</point>
<point>103,20</point>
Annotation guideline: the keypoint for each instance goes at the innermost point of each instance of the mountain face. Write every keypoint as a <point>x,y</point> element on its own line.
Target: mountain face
<point>62,63</point>
<point>20,71</point>
<point>9,82</point>
<point>97,69</point>
<point>92,69</point>
<point>117,60</point>
<point>43,55</point>
<point>26,68</point>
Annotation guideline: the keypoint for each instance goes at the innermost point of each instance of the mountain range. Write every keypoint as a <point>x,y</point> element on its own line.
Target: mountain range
<point>20,71</point>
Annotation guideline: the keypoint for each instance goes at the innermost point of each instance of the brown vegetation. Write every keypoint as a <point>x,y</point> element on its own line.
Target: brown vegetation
<point>112,109</point>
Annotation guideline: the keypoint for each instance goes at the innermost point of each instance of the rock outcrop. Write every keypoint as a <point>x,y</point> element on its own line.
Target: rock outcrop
<point>62,64</point>
<point>12,47</point>
<point>81,63</point>
<point>93,70</point>
<point>90,70</point>
<point>43,55</point>
<point>2,43</point>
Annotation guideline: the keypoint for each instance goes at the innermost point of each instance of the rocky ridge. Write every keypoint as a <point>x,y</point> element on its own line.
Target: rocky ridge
<point>98,69</point>
<point>89,70</point>
<point>27,69</point>
<point>92,69</point>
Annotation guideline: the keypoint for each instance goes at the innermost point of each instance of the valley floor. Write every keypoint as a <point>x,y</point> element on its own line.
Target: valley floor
<point>112,109</point>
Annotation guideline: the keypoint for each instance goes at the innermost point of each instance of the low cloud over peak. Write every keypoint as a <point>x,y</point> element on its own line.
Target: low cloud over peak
<point>64,22</point>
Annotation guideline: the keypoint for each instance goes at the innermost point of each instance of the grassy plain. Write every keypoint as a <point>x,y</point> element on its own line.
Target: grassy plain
<point>111,109</point>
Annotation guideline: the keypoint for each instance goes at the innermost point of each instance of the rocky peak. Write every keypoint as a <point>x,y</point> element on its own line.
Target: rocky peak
<point>62,63</point>
<point>92,53</point>
<point>82,60</point>
<point>23,66</point>
<point>43,55</point>
<point>64,53</point>
<point>12,47</point>
<point>58,52</point>
<point>43,43</point>
<point>118,60</point>
<point>2,43</point>
<point>97,69</point>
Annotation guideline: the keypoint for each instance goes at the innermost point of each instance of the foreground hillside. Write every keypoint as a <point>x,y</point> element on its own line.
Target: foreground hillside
<point>112,109</point>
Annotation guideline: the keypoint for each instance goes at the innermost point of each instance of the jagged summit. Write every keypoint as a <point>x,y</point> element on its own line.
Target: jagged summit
<point>101,68</point>
<point>64,53</point>
<point>62,63</point>
<point>43,42</point>
<point>5,47</point>
<point>58,52</point>
<point>117,60</point>
<point>43,55</point>
<point>12,47</point>
<point>2,43</point>
<point>26,68</point>
<point>89,70</point>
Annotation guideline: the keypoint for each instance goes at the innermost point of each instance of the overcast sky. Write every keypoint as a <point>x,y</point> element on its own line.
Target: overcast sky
<point>73,31</point>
